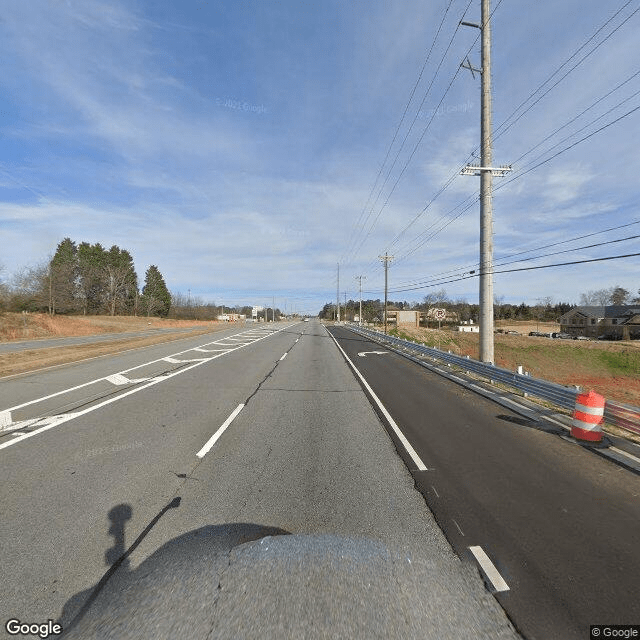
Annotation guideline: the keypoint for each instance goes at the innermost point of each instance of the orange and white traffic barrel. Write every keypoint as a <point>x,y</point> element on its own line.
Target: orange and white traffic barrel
<point>587,417</point>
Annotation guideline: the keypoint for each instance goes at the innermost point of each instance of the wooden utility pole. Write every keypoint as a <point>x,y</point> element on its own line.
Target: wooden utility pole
<point>386,258</point>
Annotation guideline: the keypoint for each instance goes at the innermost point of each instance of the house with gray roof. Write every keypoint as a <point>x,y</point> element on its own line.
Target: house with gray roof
<point>620,322</point>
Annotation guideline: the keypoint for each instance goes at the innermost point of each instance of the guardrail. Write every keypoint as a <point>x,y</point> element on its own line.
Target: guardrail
<point>615,413</point>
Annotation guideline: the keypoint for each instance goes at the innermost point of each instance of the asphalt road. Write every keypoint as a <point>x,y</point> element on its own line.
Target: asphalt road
<point>560,524</point>
<point>233,485</point>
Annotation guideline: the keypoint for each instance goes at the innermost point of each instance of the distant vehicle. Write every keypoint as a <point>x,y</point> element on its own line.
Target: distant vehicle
<point>306,319</point>
<point>512,333</point>
<point>536,333</point>
<point>580,338</point>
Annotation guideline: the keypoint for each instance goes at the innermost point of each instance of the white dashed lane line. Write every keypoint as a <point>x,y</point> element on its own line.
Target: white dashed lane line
<point>214,438</point>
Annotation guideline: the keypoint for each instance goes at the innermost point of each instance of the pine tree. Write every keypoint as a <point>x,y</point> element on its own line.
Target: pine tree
<point>91,268</point>
<point>63,276</point>
<point>121,280</point>
<point>156,299</point>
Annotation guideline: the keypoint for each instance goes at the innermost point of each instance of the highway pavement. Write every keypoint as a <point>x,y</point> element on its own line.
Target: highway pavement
<point>560,524</point>
<point>238,484</point>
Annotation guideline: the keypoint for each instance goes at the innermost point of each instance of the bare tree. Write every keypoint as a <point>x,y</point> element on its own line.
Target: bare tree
<point>4,290</point>
<point>30,288</point>
<point>435,298</point>
<point>596,298</point>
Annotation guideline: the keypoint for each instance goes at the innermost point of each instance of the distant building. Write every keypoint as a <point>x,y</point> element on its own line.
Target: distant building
<point>403,318</point>
<point>232,317</point>
<point>617,321</point>
<point>468,328</point>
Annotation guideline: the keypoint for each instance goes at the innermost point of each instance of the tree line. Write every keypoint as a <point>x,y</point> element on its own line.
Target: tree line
<point>89,279</point>
<point>545,309</point>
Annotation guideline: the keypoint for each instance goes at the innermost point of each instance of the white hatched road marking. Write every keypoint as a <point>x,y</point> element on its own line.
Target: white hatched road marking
<point>48,422</point>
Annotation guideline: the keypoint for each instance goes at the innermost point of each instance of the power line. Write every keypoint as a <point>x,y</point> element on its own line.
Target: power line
<point>424,133</point>
<point>519,175</point>
<point>571,146</point>
<point>395,135</point>
<point>436,280</point>
<point>504,123</point>
<point>504,127</point>
<point>545,266</point>
<point>606,113</point>
<point>564,126</point>
<point>448,272</point>
<point>426,128</point>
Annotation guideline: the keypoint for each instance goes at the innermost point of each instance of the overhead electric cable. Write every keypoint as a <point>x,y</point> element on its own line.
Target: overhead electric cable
<point>502,263</point>
<point>533,94</point>
<point>544,266</point>
<point>424,133</point>
<point>506,124</point>
<point>516,177</point>
<point>395,135</point>
<point>426,128</point>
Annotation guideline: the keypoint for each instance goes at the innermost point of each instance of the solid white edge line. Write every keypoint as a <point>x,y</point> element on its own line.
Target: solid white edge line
<point>213,439</point>
<point>489,569</point>
<point>625,453</point>
<point>405,443</point>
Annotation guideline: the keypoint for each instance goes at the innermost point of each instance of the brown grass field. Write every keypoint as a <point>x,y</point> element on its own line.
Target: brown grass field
<point>30,326</point>
<point>33,326</point>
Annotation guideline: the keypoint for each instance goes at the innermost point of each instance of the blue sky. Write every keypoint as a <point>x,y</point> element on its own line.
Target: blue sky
<point>235,144</point>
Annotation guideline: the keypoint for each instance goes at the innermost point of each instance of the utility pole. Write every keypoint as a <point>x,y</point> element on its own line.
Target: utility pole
<point>338,296</point>
<point>359,278</point>
<point>386,258</point>
<point>486,173</point>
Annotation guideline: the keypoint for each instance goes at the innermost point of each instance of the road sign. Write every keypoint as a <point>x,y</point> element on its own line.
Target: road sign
<point>439,314</point>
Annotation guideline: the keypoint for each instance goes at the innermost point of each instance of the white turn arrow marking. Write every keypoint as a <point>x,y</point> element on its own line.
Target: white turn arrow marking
<point>362,354</point>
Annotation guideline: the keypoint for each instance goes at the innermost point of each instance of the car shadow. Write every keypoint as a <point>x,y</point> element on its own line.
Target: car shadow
<point>190,561</point>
